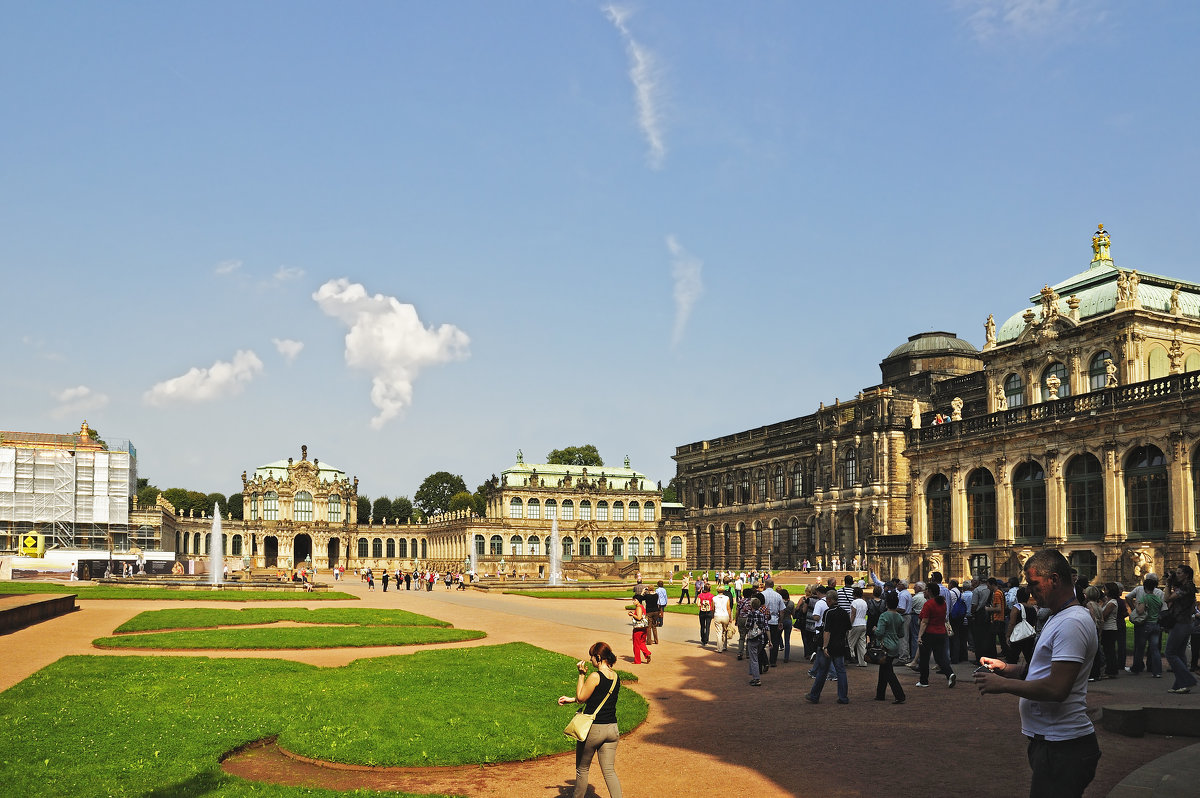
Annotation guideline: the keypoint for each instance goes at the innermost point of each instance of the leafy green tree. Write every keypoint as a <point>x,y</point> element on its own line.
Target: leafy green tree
<point>436,491</point>
<point>147,494</point>
<point>199,503</point>
<point>671,493</point>
<point>381,509</point>
<point>585,455</point>
<point>178,497</point>
<point>402,509</point>
<point>460,501</point>
<point>479,501</point>
<point>236,507</point>
<point>364,509</point>
<point>220,501</point>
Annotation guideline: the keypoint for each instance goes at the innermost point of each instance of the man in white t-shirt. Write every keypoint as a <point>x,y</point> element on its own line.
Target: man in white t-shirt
<point>858,628</point>
<point>1063,751</point>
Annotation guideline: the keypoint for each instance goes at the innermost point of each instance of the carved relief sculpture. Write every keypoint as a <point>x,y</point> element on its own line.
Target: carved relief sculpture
<point>1140,563</point>
<point>956,406</point>
<point>1001,400</point>
<point>1122,287</point>
<point>1175,308</point>
<point>1100,244</point>
<point>916,414</point>
<point>1175,355</point>
<point>1052,385</point>
<point>1110,373</point>
<point>990,329</point>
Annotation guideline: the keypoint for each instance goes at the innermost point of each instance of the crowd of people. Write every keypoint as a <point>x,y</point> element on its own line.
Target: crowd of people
<point>416,580</point>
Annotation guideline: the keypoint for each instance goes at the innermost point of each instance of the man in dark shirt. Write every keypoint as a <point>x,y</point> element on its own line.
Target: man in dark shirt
<point>650,600</point>
<point>834,648</point>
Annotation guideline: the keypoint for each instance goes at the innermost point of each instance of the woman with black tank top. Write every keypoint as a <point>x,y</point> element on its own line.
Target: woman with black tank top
<point>599,690</point>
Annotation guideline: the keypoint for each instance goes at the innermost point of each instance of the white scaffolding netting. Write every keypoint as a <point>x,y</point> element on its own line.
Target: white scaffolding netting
<point>64,487</point>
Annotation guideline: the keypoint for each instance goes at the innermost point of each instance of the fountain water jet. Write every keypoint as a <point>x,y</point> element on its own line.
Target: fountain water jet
<point>216,551</point>
<point>555,554</point>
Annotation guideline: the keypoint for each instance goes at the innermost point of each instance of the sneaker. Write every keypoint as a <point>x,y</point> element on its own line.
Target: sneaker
<point>755,683</point>
<point>922,684</point>
<point>899,701</point>
<point>1158,676</point>
<point>845,701</point>
<point>1127,670</point>
<point>952,680</point>
<point>1180,690</point>
<point>810,699</point>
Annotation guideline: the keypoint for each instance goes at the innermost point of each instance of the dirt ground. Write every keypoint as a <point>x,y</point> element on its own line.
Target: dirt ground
<point>707,728</point>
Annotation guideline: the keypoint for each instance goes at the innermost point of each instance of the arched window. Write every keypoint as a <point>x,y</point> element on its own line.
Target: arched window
<point>302,508</point>
<point>424,545</point>
<point>1084,562</point>
<point>535,545</point>
<point>1029,501</point>
<point>676,546</point>
<point>780,490</point>
<point>850,469</point>
<point>377,548</point>
<point>585,511</point>
<point>648,511</point>
<point>618,512</point>
<point>391,548</point>
<point>1014,390</point>
<point>794,533</point>
<point>601,546</point>
<point>1097,372</point>
<point>760,485</point>
<point>745,487</point>
<point>937,504</point>
<point>1146,492</point>
<point>1085,497</point>
<point>1192,362</point>
<point>270,506</point>
<point>335,509</point>
<point>981,505</point>
<point>601,510</point>
<point>479,546</point>
<point>729,489</point>
<point>635,512</point>
<point>568,546</point>
<point>533,509</point>
<point>634,547</point>
<point>254,507</point>
<point>797,481</point>
<point>514,508</point>
<point>618,547</point>
<point>1157,364</point>
<point>714,492</point>
<point>1064,381</point>
<point>496,546</point>
<point>700,494</point>
<point>551,509</point>
<point>196,544</point>
<point>568,510</point>
<point>516,545</point>
<point>235,549</point>
<point>402,547</point>
<point>362,548</point>
<point>648,546</point>
<point>585,547</point>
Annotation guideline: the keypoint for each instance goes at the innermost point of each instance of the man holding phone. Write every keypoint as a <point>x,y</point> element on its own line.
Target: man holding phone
<point>1063,751</point>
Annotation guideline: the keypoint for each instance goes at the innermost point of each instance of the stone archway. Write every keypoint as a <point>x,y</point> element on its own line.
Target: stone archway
<point>334,552</point>
<point>270,551</point>
<point>302,550</point>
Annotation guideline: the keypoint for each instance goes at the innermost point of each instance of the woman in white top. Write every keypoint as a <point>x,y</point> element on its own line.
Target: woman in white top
<point>1108,630</point>
<point>722,617</point>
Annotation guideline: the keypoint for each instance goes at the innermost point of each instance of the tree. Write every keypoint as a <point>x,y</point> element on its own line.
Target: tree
<point>479,500</point>
<point>178,497</point>
<point>220,501</point>
<point>402,509</point>
<point>585,455</point>
<point>381,509</point>
<point>671,494</point>
<point>147,495</point>
<point>236,507</point>
<point>436,491</point>
<point>460,501</point>
<point>364,509</point>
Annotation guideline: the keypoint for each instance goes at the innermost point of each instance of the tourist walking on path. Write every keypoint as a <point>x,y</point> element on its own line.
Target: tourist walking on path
<point>756,637</point>
<point>640,624</point>
<point>888,629</point>
<point>1181,606</point>
<point>832,655</point>
<point>785,622</point>
<point>931,636</point>
<point>858,629</point>
<point>1062,751</point>
<point>598,693</point>
<point>705,600</point>
<point>1145,607</point>
<point>1095,605</point>
<point>1109,615</point>
<point>722,616</point>
<point>684,593</point>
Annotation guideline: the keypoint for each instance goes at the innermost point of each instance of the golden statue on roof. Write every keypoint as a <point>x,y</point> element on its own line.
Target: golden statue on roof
<point>1100,242</point>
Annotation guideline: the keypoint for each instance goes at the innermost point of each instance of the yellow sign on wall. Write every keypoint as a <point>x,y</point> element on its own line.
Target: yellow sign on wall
<point>33,545</point>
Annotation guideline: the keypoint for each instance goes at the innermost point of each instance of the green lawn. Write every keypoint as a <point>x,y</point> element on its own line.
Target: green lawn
<point>86,591</point>
<point>202,618</point>
<point>156,726</point>
<point>291,637</point>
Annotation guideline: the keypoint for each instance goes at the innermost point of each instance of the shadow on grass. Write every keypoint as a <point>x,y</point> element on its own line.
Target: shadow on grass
<point>199,784</point>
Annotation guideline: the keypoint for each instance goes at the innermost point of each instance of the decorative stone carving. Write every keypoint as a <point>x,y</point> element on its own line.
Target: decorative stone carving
<point>1100,244</point>
<point>1110,373</point>
<point>989,328</point>
<point>1023,556</point>
<point>1122,287</point>
<point>1141,562</point>
<point>1073,307</point>
<point>1176,310</point>
<point>915,416</point>
<point>1175,355</point>
<point>956,406</point>
<point>1049,304</point>
<point>1001,400</point>
<point>1052,385</point>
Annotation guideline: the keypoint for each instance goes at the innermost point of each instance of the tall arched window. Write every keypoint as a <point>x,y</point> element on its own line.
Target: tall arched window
<point>496,546</point>
<point>551,509</point>
<point>362,548</point>
<point>585,511</point>
<point>424,548</point>
<point>981,505</point>
<point>535,545</point>
<point>850,469</point>
<point>391,548</point>
<point>302,509</point>
<point>568,546</point>
<point>1014,390</point>
<point>1146,492</point>
<point>714,493</point>
<point>601,546</point>
<point>1085,497</point>
<point>635,512</point>
<point>601,510</point>
<point>780,490</point>
<point>377,548</point>
<point>797,481</point>
<point>254,507</point>
<point>402,547</point>
<point>648,511</point>
<point>618,547</point>
<point>745,487</point>
<point>937,504</point>
<point>676,546</point>
<point>648,545</point>
<point>515,508</point>
<point>533,509</point>
<point>568,510</point>
<point>516,545</point>
<point>236,546</point>
<point>335,509</point>
<point>1064,381</point>
<point>1029,501</point>
<point>270,506</point>
<point>618,512</point>
<point>1097,372</point>
<point>479,544</point>
<point>794,533</point>
<point>1157,364</point>
<point>634,547</point>
<point>760,485</point>
<point>585,547</point>
<point>729,489</point>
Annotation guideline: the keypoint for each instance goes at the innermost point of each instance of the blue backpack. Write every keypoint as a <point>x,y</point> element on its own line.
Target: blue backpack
<point>959,610</point>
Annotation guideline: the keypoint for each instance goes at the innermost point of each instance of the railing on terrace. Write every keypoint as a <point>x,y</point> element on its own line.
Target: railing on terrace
<point>883,544</point>
<point>1141,393</point>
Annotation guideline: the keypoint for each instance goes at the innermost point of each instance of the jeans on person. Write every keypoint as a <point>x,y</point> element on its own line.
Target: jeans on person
<point>958,643</point>
<point>914,629</point>
<point>1195,649</point>
<point>754,646</point>
<point>934,644</point>
<point>776,643</point>
<point>824,663</point>
<point>705,626</point>
<point>1062,768</point>
<point>741,640</point>
<point>1177,640</point>
<point>1139,648</point>
<point>1154,648</point>
<point>787,640</point>
<point>602,737</point>
<point>887,678</point>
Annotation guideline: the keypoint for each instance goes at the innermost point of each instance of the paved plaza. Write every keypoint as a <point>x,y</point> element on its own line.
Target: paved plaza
<point>707,730</point>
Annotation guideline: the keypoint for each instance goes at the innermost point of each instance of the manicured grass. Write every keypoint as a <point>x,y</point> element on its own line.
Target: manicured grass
<point>105,592</point>
<point>291,637</point>
<point>141,726</point>
<point>202,618</point>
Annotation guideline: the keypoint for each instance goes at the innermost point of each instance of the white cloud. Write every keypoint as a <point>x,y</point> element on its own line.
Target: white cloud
<point>80,399</point>
<point>285,273</point>
<point>288,348</point>
<point>647,86</point>
<point>227,266</point>
<point>388,340</point>
<point>992,19</point>
<point>219,380</point>
<point>689,286</point>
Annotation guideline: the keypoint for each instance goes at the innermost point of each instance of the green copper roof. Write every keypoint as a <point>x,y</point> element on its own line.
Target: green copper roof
<point>930,343</point>
<point>552,472</point>
<point>279,470</point>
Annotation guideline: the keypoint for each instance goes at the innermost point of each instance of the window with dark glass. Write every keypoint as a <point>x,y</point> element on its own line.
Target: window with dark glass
<point>1029,501</point>
<point>1097,373</point>
<point>981,505</point>
<point>850,469</point>
<point>760,485</point>
<point>377,548</point>
<point>937,506</point>
<point>1014,390</point>
<point>391,548</point>
<point>362,548</point>
<point>585,547</point>
<point>779,480</point>
<point>797,482</point>
<point>1064,381</point>
<point>1085,563</point>
<point>1084,484</point>
<point>745,499</point>
<point>1146,491</point>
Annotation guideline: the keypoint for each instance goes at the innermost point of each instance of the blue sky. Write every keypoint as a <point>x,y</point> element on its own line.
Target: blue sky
<point>421,236</point>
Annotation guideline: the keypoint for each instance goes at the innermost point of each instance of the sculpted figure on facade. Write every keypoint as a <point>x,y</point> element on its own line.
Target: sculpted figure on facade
<point>1110,373</point>
<point>1100,244</point>
<point>1023,555</point>
<point>1175,355</point>
<point>1134,282</point>
<point>915,416</point>
<point>1049,304</point>
<point>989,328</point>
<point>956,406</point>
<point>1001,399</point>
<point>1052,385</point>
<point>1141,562</point>
<point>1122,287</point>
<point>1176,310</point>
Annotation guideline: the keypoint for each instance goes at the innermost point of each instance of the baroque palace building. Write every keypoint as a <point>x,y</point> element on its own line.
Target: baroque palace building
<point>1076,427</point>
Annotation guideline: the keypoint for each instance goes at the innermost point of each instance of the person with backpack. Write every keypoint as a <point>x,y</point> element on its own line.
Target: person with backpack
<point>958,623</point>
<point>705,601</point>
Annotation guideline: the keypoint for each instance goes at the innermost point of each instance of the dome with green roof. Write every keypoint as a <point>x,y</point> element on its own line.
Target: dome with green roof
<point>930,343</point>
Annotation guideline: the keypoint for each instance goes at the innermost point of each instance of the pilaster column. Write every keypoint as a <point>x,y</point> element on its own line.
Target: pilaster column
<point>958,506</point>
<point>1004,503</point>
<point>920,524</point>
<point>1056,504</point>
<point>1114,497</point>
